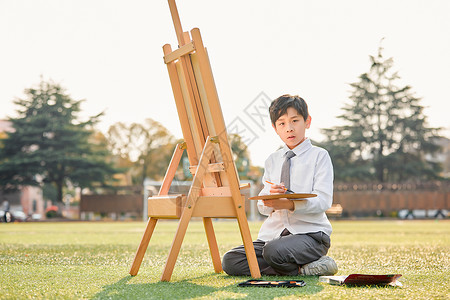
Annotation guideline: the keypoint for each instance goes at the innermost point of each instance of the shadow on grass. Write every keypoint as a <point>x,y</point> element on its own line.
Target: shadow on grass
<point>206,287</point>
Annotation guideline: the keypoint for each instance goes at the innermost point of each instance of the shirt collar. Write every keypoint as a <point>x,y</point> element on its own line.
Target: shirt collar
<point>302,147</point>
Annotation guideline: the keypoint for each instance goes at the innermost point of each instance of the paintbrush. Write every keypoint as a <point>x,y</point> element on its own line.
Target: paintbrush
<point>286,189</point>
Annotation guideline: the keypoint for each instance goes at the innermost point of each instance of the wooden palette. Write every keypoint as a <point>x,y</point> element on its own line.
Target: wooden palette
<point>279,196</point>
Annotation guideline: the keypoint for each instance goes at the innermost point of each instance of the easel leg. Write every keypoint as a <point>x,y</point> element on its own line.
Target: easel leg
<point>212,242</point>
<point>176,245</point>
<point>192,197</point>
<point>143,246</point>
<point>178,152</point>
<point>249,248</point>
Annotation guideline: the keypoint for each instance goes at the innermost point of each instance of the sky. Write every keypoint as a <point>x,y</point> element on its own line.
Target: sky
<point>109,53</point>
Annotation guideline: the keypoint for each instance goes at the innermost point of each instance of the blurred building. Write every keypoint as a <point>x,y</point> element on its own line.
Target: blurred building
<point>6,126</point>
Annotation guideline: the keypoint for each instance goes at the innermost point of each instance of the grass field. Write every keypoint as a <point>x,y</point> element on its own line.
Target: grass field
<point>79,260</point>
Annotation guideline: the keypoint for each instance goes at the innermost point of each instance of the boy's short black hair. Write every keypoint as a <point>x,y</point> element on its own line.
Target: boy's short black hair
<point>279,107</point>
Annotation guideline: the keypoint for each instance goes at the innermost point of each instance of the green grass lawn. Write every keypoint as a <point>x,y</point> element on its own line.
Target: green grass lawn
<point>91,260</point>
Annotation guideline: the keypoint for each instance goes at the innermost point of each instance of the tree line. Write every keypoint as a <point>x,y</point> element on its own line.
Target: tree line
<point>385,137</point>
<point>52,147</point>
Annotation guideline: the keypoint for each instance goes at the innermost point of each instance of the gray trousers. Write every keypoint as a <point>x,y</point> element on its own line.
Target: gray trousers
<point>281,256</point>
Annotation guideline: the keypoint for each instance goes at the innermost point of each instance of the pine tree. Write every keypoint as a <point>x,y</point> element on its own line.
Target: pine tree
<point>385,136</point>
<point>50,144</point>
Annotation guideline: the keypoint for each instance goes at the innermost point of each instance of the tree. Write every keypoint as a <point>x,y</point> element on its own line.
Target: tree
<point>149,146</point>
<point>386,135</point>
<point>241,155</point>
<point>50,143</point>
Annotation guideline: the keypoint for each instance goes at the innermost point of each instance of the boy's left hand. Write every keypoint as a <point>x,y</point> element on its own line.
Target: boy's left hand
<point>282,203</point>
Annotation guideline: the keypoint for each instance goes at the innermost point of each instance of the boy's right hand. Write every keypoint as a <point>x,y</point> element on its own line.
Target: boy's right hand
<point>278,188</point>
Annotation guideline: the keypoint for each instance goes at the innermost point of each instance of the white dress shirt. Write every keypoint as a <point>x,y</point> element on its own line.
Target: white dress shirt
<point>311,172</point>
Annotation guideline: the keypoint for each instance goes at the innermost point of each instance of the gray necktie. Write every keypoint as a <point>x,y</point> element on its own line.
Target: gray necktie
<point>285,169</point>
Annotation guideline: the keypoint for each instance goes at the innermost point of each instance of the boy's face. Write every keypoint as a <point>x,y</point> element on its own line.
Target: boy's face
<point>291,127</point>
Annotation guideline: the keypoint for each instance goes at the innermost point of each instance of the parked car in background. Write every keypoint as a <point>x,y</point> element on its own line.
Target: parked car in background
<point>36,217</point>
<point>5,217</point>
<point>12,216</point>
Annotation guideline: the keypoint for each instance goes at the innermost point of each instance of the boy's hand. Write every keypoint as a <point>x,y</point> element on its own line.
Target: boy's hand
<point>278,188</point>
<point>282,203</point>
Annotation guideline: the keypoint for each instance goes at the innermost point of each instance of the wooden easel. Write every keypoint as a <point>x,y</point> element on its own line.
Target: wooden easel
<point>215,190</point>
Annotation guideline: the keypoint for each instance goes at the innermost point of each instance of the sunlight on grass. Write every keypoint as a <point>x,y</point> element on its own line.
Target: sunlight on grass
<point>79,260</point>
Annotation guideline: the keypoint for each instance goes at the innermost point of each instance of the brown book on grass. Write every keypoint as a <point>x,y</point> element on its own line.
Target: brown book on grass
<point>362,279</point>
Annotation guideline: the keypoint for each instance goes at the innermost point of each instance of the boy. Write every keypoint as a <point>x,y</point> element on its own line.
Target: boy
<point>295,237</point>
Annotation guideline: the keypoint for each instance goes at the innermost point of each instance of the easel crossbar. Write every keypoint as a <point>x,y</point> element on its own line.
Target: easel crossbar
<point>183,50</point>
